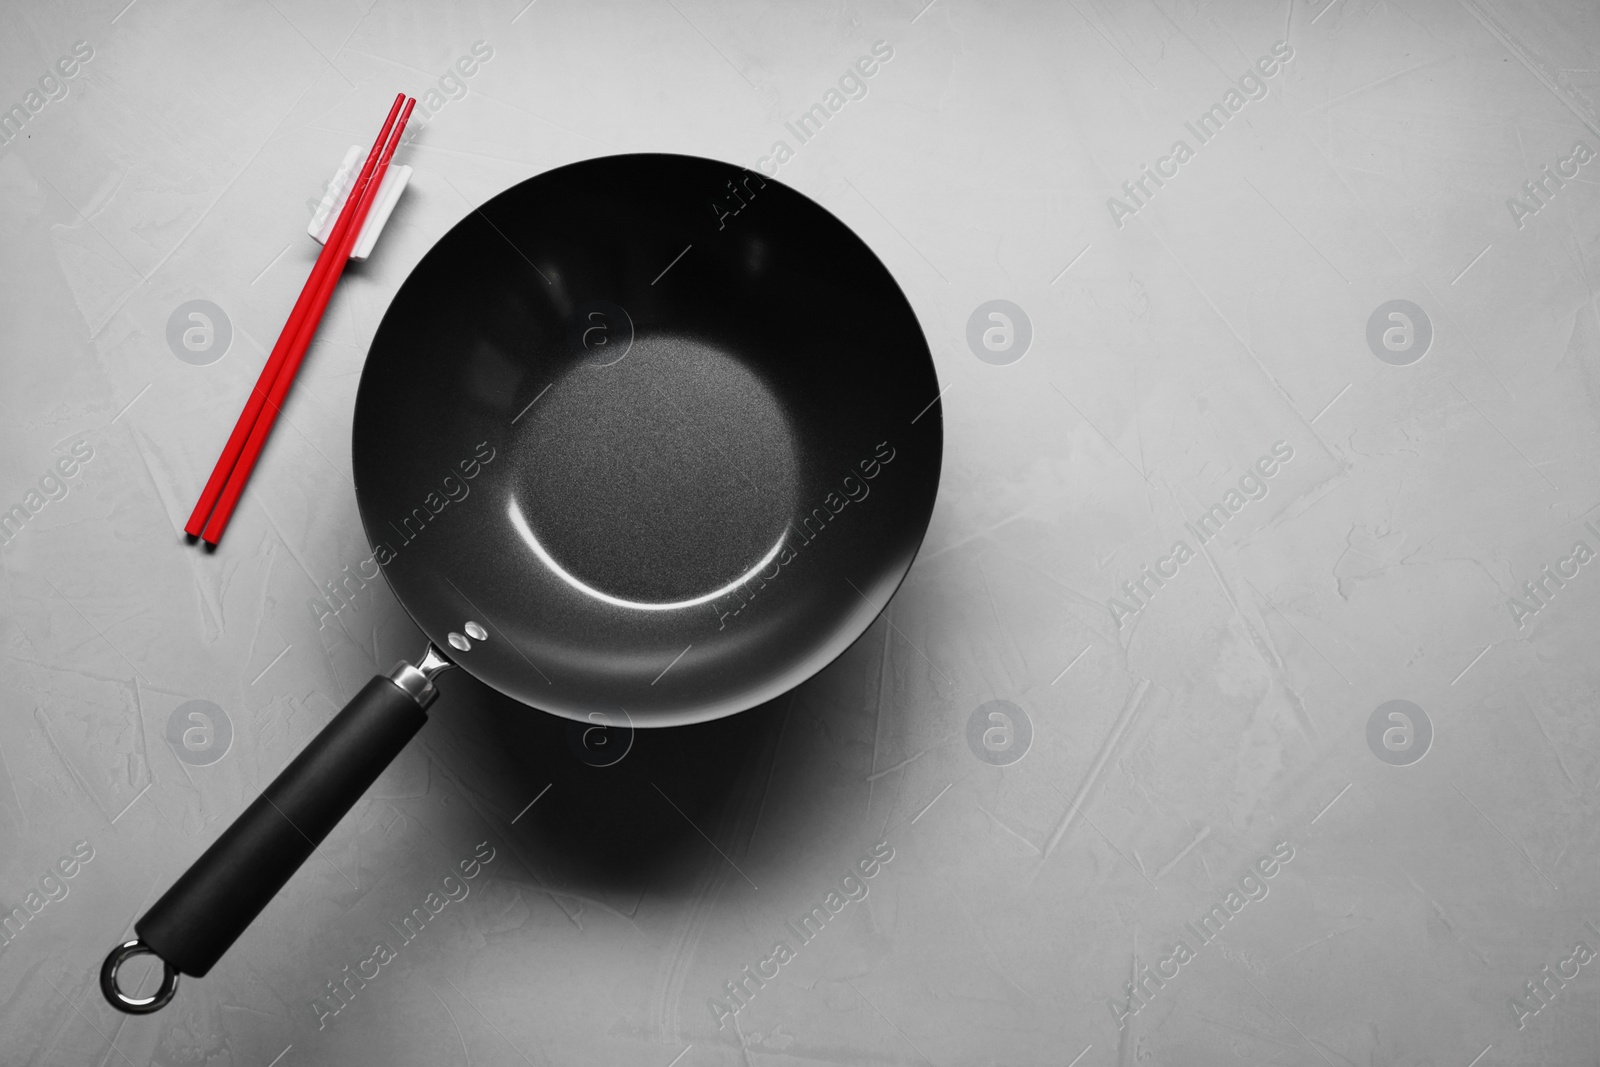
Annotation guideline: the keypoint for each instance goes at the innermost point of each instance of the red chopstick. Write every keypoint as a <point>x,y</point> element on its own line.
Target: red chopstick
<point>291,329</point>
<point>308,329</point>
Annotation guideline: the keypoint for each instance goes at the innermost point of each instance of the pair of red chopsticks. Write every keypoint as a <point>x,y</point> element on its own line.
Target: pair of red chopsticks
<point>228,478</point>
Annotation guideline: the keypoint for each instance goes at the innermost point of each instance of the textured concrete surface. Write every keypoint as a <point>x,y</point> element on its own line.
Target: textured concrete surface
<point>1341,501</point>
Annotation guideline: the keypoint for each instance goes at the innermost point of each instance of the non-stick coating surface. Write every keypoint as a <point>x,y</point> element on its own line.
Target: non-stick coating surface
<point>663,430</point>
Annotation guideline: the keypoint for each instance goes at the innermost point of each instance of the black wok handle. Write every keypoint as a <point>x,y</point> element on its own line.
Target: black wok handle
<point>207,909</point>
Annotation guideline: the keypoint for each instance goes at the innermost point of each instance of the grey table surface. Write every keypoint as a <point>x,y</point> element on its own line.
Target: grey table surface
<point>1199,833</point>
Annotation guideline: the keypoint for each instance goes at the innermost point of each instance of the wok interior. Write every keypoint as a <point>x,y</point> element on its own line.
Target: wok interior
<point>662,456</point>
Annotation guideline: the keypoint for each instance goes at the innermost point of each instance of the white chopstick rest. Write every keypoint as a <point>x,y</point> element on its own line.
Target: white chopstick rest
<point>327,213</point>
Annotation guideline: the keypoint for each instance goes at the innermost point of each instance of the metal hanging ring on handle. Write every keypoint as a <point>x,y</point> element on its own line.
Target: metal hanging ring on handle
<point>136,1005</point>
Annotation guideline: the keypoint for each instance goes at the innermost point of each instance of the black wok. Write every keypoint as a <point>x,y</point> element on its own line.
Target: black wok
<point>646,438</point>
